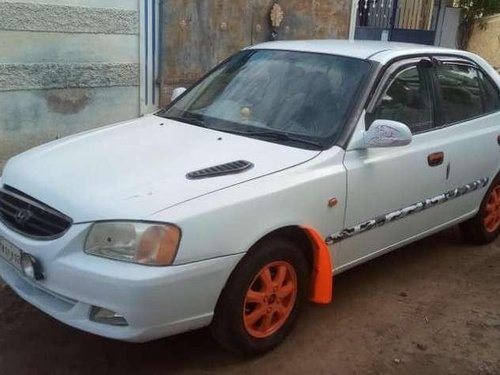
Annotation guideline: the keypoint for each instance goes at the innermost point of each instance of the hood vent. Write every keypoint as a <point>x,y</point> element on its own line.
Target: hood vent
<point>220,170</point>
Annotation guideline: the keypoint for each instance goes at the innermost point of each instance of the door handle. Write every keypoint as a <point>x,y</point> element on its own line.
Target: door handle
<point>435,159</point>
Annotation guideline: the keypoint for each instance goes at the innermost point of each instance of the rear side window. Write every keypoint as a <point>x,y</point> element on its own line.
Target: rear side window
<point>463,93</point>
<point>491,96</point>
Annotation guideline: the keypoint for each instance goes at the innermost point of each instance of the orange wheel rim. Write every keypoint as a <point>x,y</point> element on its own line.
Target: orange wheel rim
<point>492,214</point>
<point>270,299</point>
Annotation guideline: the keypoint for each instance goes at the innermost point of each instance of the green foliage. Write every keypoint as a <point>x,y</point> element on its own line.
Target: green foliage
<point>475,9</point>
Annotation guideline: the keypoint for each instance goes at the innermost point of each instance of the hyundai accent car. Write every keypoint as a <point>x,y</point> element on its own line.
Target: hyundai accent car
<point>286,164</point>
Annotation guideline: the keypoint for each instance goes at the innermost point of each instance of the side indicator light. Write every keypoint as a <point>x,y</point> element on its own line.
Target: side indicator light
<point>333,202</point>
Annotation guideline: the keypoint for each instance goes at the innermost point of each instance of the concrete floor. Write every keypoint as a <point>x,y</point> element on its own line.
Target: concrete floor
<point>429,308</point>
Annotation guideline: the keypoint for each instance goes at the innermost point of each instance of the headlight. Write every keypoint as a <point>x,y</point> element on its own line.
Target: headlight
<point>153,244</point>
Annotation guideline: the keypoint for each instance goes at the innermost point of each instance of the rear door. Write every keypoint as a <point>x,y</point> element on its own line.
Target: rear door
<point>391,182</point>
<point>469,101</point>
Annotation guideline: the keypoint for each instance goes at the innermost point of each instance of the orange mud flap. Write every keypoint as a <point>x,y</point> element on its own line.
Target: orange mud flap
<point>322,277</point>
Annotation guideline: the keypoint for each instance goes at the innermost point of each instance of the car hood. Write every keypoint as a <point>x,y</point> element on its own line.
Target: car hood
<point>135,169</point>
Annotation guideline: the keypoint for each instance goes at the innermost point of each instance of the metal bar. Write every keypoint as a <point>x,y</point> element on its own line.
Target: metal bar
<point>392,21</point>
<point>353,22</point>
<point>418,15</point>
<point>154,49</point>
<point>146,45</point>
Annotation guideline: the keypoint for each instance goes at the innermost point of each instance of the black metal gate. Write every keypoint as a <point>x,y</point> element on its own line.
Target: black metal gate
<point>412,21</point>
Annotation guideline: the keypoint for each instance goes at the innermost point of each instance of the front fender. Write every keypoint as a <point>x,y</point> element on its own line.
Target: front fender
<point>232,220</point>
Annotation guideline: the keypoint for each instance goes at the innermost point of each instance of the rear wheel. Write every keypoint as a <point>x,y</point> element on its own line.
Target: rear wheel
<point>485,226</point>
<point>262,299</point>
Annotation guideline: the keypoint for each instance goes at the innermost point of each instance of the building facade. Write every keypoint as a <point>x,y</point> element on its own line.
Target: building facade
<point>71,65</point>
<point>197,34</point>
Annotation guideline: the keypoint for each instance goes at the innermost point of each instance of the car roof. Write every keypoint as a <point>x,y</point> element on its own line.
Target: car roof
<point>380,52</point>
<point>361,49</point>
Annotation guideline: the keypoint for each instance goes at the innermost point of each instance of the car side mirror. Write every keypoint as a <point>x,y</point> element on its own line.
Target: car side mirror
<point>177,92</point>
<point>387,133</point>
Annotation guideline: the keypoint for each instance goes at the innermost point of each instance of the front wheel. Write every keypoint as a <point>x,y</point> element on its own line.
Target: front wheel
<point>262,298</point>
<point>485,226</point>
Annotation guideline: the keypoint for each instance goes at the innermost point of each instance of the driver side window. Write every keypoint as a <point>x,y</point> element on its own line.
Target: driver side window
<point>408,100</point>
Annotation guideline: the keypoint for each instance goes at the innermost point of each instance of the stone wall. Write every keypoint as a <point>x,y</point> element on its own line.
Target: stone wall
<point>65,66</point>
<point>485,40</point>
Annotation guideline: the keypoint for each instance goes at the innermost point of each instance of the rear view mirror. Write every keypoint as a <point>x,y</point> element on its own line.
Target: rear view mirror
<point>387,133</point>
<point>177,92</point>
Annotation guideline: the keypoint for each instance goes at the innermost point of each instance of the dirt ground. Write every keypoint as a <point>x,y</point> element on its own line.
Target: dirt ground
<point>429,308</point>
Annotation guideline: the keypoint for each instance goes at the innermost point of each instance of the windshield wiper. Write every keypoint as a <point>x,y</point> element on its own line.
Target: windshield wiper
<point>194,119</point>
<point>187,118</point>
<point>280,137</point>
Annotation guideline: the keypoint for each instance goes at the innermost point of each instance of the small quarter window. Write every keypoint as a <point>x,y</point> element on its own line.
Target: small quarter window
<point>460,92</point>
<point>407,100</point>
<point>491,97</point>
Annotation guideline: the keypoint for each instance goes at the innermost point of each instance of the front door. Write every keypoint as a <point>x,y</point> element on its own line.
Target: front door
<point>392,191</point>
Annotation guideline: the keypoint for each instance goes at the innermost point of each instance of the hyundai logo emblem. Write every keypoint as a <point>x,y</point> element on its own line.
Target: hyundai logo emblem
<point>23,216</point>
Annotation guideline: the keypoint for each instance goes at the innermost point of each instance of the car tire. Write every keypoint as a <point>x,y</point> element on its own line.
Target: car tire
<point>485,226</point>
<point>262,299</point>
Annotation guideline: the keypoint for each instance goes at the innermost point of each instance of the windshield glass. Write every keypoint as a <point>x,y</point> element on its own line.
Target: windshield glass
<point>287,97</point>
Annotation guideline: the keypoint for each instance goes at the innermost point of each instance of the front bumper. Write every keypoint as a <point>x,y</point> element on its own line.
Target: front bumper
<point>156,301</point>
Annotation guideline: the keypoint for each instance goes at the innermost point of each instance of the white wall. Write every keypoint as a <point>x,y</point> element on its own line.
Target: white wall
<point>68,66</point>
<point>485,40</point>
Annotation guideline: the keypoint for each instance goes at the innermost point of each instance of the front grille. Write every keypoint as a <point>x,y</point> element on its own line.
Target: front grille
<point>30,217</point>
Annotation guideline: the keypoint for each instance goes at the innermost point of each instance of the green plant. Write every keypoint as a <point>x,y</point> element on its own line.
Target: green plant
<point>472,11</point>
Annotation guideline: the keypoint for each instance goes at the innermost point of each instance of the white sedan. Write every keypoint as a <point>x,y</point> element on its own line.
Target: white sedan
<point>288,163</point>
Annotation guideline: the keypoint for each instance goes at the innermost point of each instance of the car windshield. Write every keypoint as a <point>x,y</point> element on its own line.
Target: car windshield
<point>296,98</point>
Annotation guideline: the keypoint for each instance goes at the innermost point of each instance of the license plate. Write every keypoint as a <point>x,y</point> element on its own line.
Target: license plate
<point>10,253</point>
